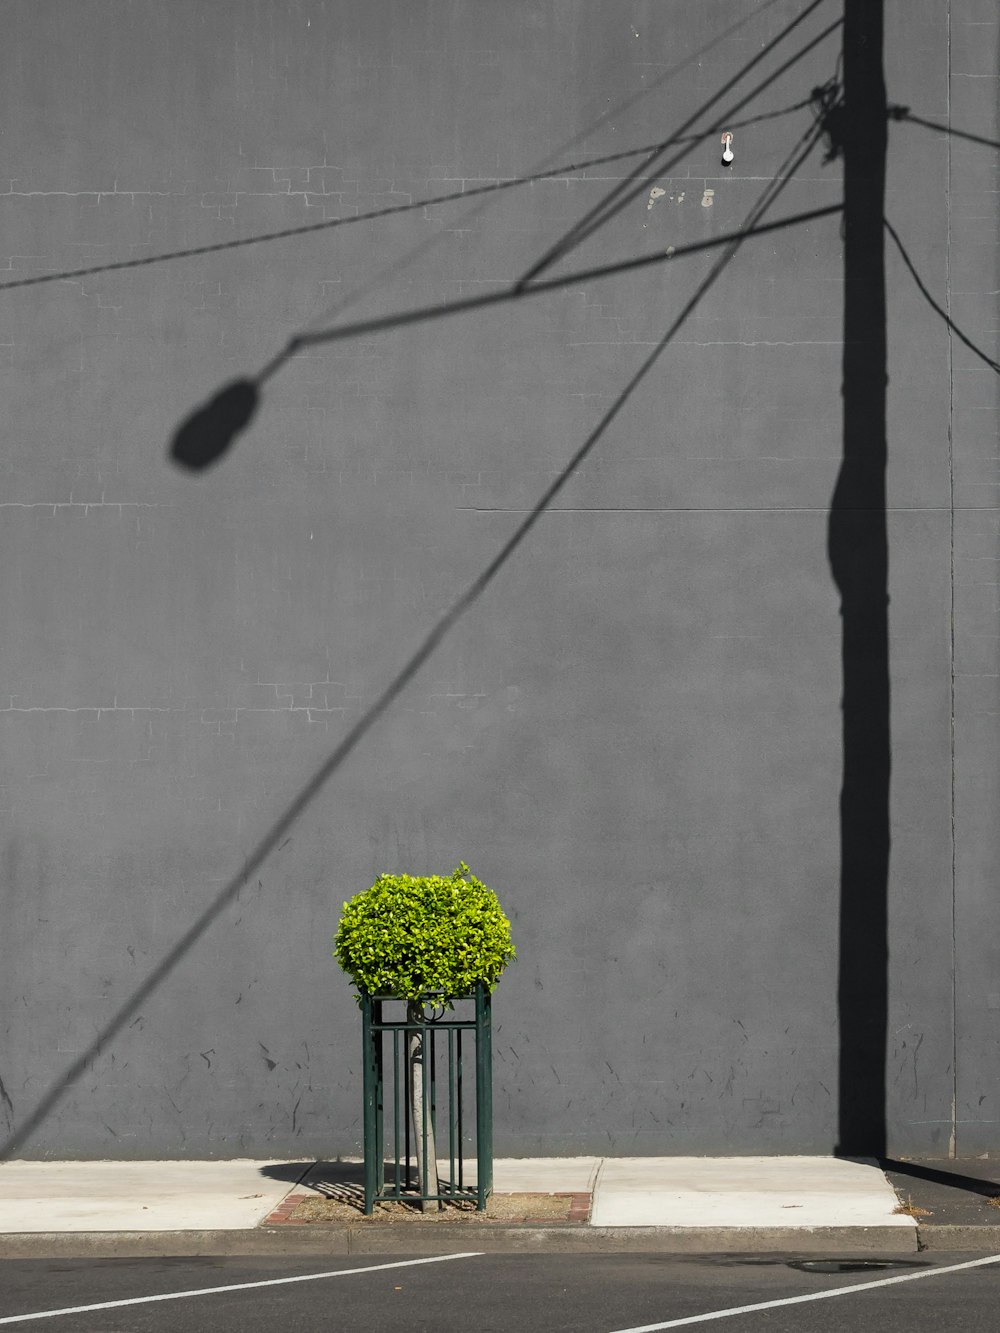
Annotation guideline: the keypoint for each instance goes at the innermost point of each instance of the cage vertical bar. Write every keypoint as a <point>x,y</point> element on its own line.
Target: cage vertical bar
<point>371,1017</point>
<point>484,1098</point>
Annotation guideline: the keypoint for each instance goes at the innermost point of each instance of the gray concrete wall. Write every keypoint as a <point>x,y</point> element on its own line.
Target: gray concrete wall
<point>974,188</point>
<point>633,735</point>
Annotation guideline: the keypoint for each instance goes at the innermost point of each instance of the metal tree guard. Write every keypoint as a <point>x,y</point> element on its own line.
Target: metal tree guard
<point>442,1054</point>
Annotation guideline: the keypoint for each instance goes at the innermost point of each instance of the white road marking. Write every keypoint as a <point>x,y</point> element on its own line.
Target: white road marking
<point>236,1286</point>
<point>813,1296</point>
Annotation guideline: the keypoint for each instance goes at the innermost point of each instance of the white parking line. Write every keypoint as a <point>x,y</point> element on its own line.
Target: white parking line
<point>236,1286</point>
<point>813,1296</point>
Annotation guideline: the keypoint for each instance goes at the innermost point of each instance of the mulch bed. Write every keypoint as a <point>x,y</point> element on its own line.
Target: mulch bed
<point>544,1209</point>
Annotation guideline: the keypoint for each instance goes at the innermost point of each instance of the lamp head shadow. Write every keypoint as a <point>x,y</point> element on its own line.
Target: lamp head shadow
<point>207,434</point>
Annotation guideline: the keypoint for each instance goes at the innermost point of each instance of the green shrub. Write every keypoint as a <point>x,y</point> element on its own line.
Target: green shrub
<point>409,935</point>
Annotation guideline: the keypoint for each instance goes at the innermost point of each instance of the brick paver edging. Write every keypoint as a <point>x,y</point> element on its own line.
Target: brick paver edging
<point>284,1210</point>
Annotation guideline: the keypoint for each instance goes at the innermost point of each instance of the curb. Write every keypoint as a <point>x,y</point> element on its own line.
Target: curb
<point>958,1237</point>
<point>322,1240</point>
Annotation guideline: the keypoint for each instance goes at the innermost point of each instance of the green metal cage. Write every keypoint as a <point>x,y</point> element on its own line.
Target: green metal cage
<point>441,1092</point>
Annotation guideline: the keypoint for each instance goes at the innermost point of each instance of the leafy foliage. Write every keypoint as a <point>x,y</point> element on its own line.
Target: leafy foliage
<point>410,935</point>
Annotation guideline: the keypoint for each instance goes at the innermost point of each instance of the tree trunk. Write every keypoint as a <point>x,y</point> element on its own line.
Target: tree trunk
<point>426,1169</point>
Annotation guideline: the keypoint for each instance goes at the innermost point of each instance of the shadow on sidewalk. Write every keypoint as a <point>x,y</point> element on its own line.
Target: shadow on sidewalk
<point>342,1181</point>
<point>942,1174</point>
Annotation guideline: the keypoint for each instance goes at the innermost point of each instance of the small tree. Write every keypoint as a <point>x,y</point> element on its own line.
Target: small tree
<point>413,936</point>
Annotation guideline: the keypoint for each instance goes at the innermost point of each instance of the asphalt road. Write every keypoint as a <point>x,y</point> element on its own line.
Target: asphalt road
<point>591,1293</point>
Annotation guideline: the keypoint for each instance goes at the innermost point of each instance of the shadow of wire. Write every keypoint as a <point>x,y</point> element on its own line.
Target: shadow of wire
<point>543,170</point>
<point>209,450</point>
<point>473,592</point>
<point>211,429</point>
<point>209,432</point>
<point>463,305</point>
<point>904,113</point>
<point>538,173</point>
<point>938,309</point>
<point>626,190</point>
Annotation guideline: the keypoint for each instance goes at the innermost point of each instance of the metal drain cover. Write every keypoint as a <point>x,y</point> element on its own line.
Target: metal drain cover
<point>854,1265</point>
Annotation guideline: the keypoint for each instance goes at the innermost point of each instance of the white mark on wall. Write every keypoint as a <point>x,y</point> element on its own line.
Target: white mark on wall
<point>85,505</point>
<point>708,198</point>
<point>654,194</point>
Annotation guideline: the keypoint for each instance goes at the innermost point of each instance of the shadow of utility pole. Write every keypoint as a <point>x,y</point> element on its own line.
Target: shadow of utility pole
<point>859,560</point>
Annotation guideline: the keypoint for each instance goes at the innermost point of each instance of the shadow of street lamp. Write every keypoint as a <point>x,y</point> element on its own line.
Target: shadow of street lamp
<point>208,433</point>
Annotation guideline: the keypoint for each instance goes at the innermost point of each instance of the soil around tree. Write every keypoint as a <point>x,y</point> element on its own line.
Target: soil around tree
<point>547,1209</point>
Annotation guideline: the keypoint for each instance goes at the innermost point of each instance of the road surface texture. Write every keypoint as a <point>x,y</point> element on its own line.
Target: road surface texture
<point>493,1294</point>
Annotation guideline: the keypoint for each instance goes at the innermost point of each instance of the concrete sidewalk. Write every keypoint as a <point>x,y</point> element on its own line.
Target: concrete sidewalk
<point>735,1203</point>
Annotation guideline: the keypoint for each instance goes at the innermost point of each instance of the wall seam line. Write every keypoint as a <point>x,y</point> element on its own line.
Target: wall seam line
<point>953,1139</point>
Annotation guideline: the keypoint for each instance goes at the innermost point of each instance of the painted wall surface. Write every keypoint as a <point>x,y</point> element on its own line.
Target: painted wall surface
<point>634,733</point>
